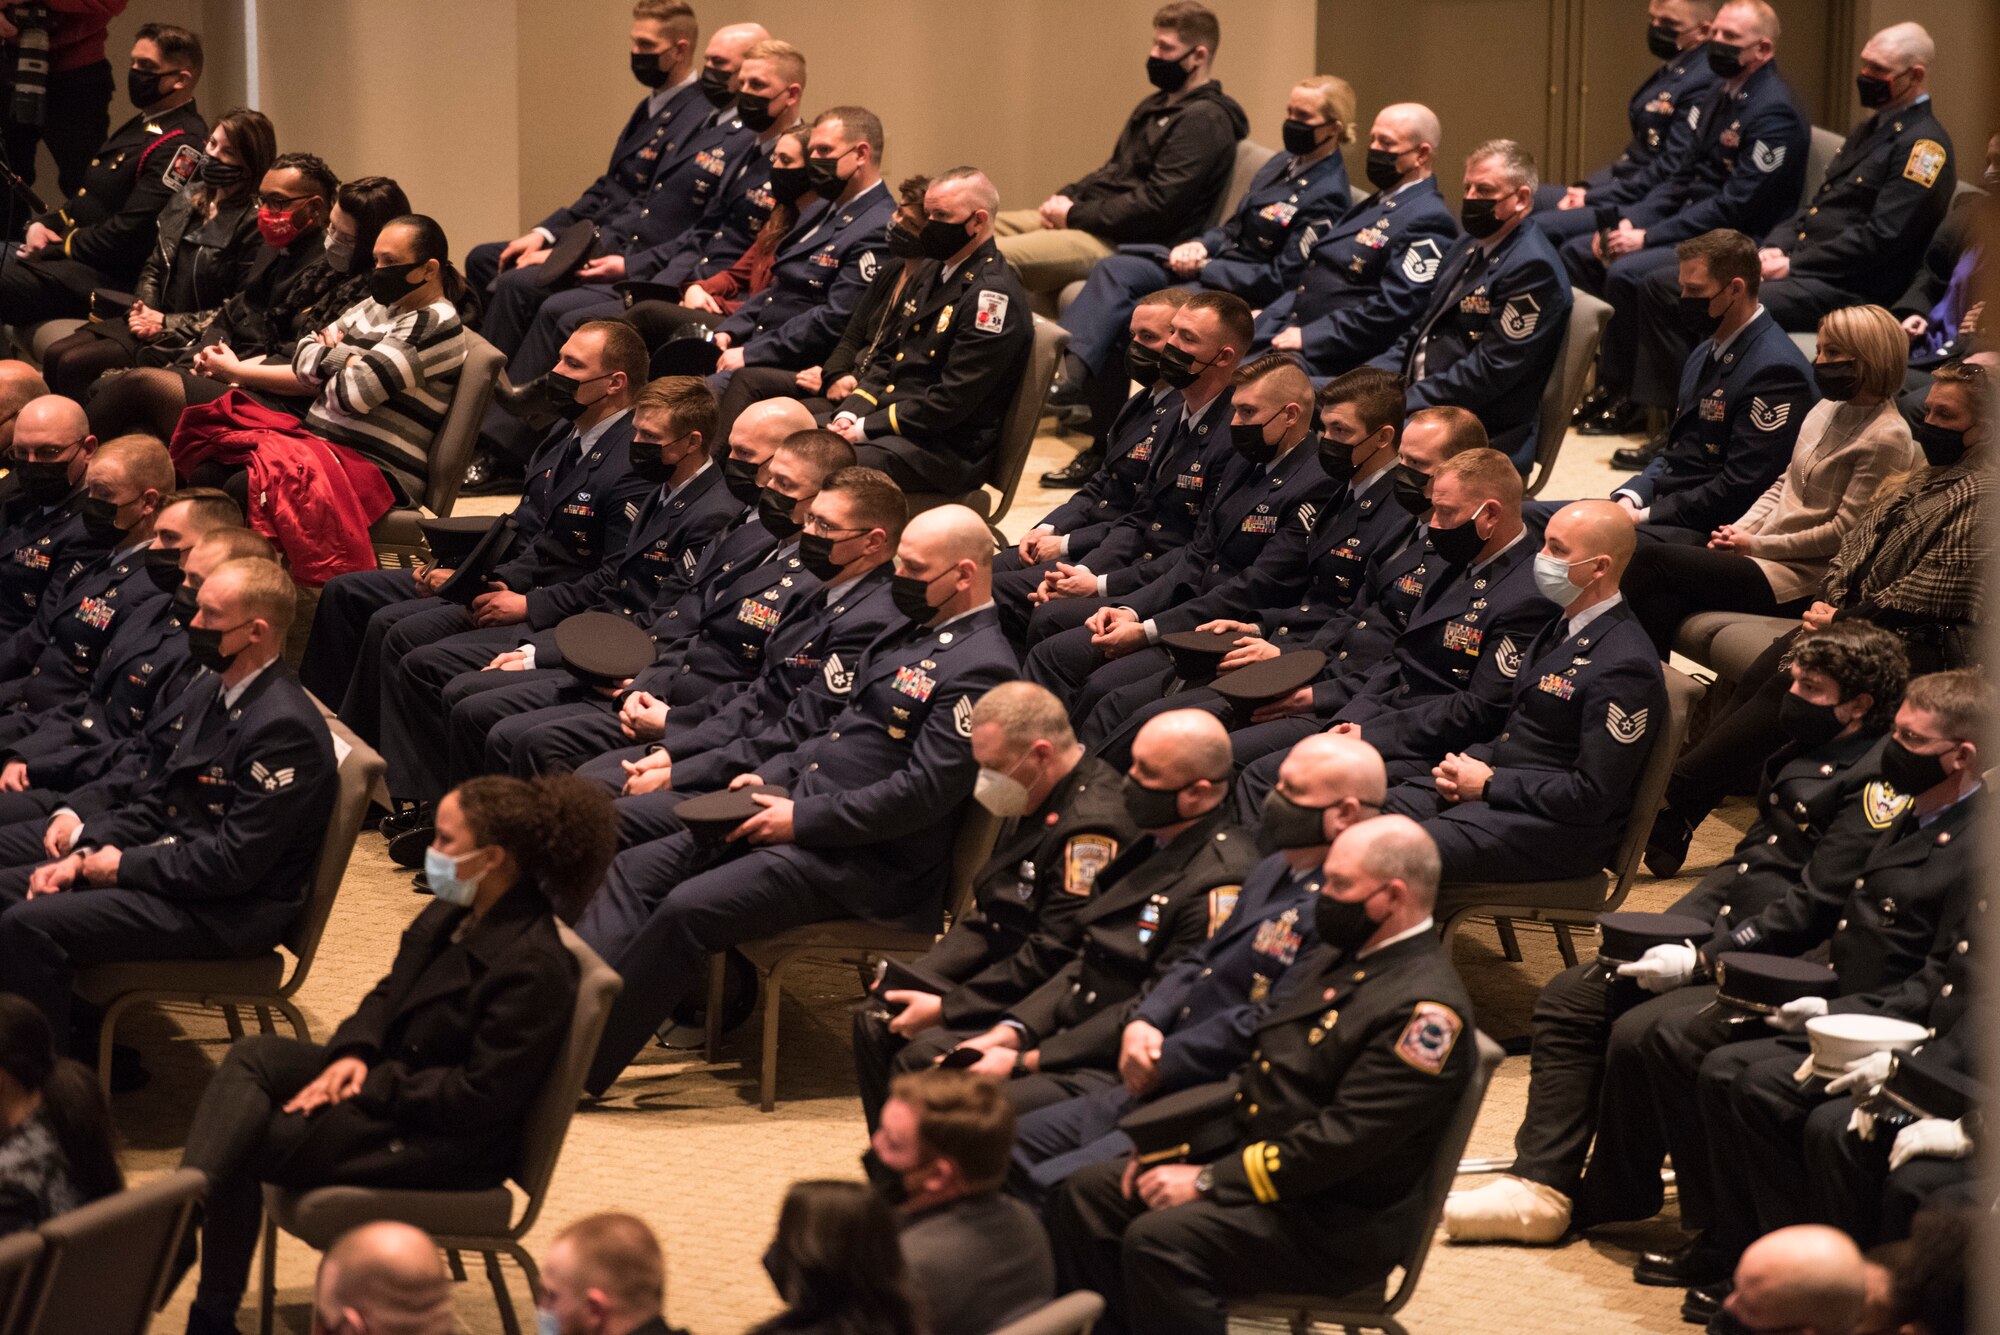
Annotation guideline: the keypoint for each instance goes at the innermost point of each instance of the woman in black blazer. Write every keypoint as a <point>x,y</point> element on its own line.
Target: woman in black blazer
<point>427,1083</point>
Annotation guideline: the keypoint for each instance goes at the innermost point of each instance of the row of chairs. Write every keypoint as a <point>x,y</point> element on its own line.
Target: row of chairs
<point>99,1270</point>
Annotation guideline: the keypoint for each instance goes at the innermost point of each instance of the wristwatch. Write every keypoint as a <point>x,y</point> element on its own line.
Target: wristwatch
<point>1204,1181</point>
<point>1021,1065</point>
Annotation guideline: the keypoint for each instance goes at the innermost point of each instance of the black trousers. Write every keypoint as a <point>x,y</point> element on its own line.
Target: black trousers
<point>1668,582</point>
<point>1729,757</point>
<point>76,118</point>
<point>1028,1093</point>
<point>1851,1185</point>
<point>1572,1028</point>
<point>74,362</point>
<point>1622,1180</point>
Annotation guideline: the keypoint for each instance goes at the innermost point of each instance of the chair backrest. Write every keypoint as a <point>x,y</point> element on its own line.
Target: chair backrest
<point>1587,317</point>
<point>1444,1168</point>
<point>109,1261</point>
<point>451,449</point>
<point>1825,147</point>
<point>360,770</point>
<point>978,831</point>
<point>1250,159</point>
<point>1024,414</point>
<point>1682,693</point>
<point>20,1273</point>
<point>1071,1314</point>
<point>547,1124</point>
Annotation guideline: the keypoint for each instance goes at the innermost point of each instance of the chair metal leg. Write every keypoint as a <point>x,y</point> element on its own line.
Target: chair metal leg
<point>1566,943</point>
<point>264,1024</point>
<point>774,1000</point>
<point>718,979</point>
<point>267,1297</point>
<point>234,1019</point>
<point>300,1029</point>
<point>508,1321</point>
<point>106,1029</point>
<point>457,1264</point>
<point>1510,944</point>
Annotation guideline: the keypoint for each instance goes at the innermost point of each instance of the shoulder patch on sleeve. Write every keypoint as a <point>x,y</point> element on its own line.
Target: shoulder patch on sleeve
<point>1507,657</point>
<point>1422,260</point>
<point>991,317</point>
<point>1427,1040</point>
<point>1519,317</point>
<point>1769,416</point>
<point>1926,161</point>
<point>1221,903</point>
<point>1625,728</point>
<point>687,555</point>
<point>1308,516</point>
<point>1306,239</point>
<point>632,514</point>
<point>961,716</point>
<point>271,780</point>
<point>868,266</point>
<point>1084,856</point>
<point>1767,158</point>
<point>839,678</point>
<point>181,167</point>
<point>1881,804</point>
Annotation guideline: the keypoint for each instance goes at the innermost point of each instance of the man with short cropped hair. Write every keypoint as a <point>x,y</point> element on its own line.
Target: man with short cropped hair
<point>383,1278</point>
<point>604,1275</point>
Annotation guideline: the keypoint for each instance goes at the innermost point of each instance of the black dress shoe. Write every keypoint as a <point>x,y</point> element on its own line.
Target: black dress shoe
<point>1667,845</point>
<point>1067,393</point>
<point>1701,1306</point>
<point>1077,471</point>
<point>1632,458</point>
<point>1693,1266</point>
<point>489,474</point>
<point>405,817</point>
<point>407,848</point>
<point>1593,404</point>
<point>1620,419</point>
<point>528,401</point>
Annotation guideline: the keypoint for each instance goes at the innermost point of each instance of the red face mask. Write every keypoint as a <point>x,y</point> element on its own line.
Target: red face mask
<point>280,229</point>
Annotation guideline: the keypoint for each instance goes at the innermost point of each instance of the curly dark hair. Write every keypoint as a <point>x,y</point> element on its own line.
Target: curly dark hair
<point>836,1264</point>
<point>561,831</point>
<point>1859,657</point>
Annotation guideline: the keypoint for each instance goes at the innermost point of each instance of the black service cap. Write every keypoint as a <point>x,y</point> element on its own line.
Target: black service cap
<point>1927,1086</point>
<point>1272,679</point>
<point>1762,983</point>
<point>1624,937</point>
<point>1197,652</point>
<point>714,815</point>
<point>1198,1123</point>
<point>566,256</point>
<point>603,648</point>
<point>689,350</point>
<point>896,976</point>
<point>452,540</point>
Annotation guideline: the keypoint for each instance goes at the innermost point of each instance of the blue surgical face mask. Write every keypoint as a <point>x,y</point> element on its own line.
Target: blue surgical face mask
<point>547,1322</point>
<point>1552,578</point>
<point>441,875</point>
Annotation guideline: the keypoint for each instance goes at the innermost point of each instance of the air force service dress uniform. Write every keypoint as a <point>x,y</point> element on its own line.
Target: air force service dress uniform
<point>40,547</point>
<point>1660,131</point>
<point>1367,274</point>
<point>1490,337</point>
<point>1349,1088</point>
<point>55,661</point>
<point>875,800</point>
<point>818,275</point>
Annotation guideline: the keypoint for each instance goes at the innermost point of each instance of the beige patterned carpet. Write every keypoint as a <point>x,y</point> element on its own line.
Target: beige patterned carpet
<point>683,1144</point>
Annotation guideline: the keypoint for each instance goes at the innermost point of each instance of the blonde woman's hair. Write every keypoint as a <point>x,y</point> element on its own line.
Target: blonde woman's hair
<point>1336,101</point>
<point>1878,345</point>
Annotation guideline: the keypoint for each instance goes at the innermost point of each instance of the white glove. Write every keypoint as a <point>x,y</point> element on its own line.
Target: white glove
<point>1929,1138</point>
<point>1863,1074</point>
<point>1662,968</point>
<point>1792,1016</point>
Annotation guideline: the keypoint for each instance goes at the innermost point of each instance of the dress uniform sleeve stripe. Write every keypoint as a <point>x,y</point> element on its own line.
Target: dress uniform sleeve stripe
<point>864,394</point>
<point>893,427</point>
<point>1261,1185</point>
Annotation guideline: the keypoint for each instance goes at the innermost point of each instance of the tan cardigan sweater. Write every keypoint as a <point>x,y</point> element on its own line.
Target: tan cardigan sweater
<point>1842,457</point>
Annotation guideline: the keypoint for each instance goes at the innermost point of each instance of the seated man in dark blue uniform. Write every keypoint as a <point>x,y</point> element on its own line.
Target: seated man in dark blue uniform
<point>576,509</point>
<point>44,540</point>
<point>866,826</point>
<point>1336,1125</point>
<point>1195,1020</point>
<point>1256,252</point>
<point>1368,268</point>
<point>1677,35</point>
<point>1490,337</point>
<point>1544,790</point>
<point>204,846</point>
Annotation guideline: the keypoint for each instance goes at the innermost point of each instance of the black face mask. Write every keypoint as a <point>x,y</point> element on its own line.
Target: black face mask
<point>1248,438</point>
<point>100,519</point>
<point>816,554</point>
<point>788,183</point>
<point>904,243</point>
<point>1336,460</point>
<point>1300,138</point>
<point>216,172</point>
<point>389,283</point>
<point>562,394</point>
<point>1342,924</point>
<point>205,649</point>
<point>1458,545</point>
<point>44,482</point>
<point>1142,363</point>
<point>755,112</point>
<point>648,465</point>
<point>714,85</point>
<point>912,597</point>
<point>739,479</point>
<point>1874,92</point>
<point>1408,485</point>
<point>774,512</point>
<point>1479,217</point>
<point>646,69</point>
<point>824,173</point>
<point>1382,171</point>
<point>1725,60</point>
<point>1664,43</point>
<point>1910,772</point>
<point>1806,723</point>
<point>1169,76</point>
<point>1695,320</point>
<point>1150,808</point>
<point>163,567</point>
<point>143,86</point>
<point>1179,368</point>
<point>941,240</point>
<point>184,603</point>
<point>1286,824</point>
<point>1942,446</point>
<point>1837,380</point>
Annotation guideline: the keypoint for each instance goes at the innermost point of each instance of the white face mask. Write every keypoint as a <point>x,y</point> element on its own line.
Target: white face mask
<point>1552,578</point>
<point>1002,794</point>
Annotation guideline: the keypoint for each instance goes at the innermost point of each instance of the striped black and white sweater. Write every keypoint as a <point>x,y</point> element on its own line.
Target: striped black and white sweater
<point>384,388</point>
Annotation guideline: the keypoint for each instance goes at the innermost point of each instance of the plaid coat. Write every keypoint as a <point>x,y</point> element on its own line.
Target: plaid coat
<point>1919,555</point>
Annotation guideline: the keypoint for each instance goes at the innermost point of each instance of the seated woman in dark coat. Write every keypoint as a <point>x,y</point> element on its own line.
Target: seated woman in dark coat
<point>427,1083</point>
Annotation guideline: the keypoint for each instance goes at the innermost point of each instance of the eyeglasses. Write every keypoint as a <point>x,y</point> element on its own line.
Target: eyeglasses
<point>819,528</point>
<point>280,201</point>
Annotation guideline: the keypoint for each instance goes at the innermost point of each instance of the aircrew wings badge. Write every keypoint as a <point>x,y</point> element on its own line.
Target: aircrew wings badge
<point>1427,1040</point>
<point>1625,728</point>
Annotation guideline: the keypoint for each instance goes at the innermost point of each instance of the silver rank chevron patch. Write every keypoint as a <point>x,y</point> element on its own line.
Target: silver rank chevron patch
<point>1625,728</point>
<point>272,780</point>
<point>1769,416</point>
<point>1519,317</point>
<point>1507,657</point>
<point>1766,158</point>
<point>838,676</point>
<point>1308,516</point>
<point>961,716</point>
<point>1422,260</point>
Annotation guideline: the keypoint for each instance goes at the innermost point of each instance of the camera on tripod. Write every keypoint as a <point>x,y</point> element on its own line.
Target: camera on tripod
<point>33,23</point>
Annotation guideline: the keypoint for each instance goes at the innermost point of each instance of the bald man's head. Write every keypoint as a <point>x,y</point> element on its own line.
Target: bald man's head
<point>52,430</point>
<point>762,427</point>
<point>19,383</point>
<point>1808,1278</point>
<point>1590,529</point>
<point>732,42</point>
<point>1184,752</point>
<point>1416,120</point>
<point>944,558</point>
<point>386,1279</point>
<point>1327,783</point>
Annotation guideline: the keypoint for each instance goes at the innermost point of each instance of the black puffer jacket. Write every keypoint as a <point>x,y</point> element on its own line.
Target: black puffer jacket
<point>1166,174</point>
